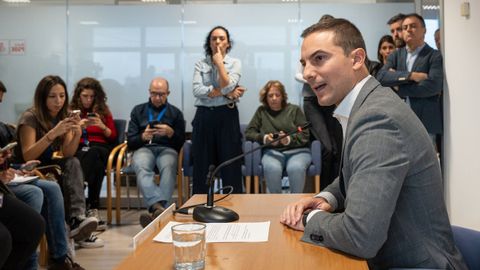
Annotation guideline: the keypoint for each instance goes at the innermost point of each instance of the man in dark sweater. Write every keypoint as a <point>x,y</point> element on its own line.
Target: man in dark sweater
<point>156,132</point>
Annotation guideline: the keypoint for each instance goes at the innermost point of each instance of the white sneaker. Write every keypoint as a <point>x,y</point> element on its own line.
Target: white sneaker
<point>92,242</point>
<point>102,225</point>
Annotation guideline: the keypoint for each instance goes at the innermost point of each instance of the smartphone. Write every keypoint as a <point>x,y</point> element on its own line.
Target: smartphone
<point>74,113</point>
<point>91,114</point>
<point>25,167</point>
<point>154,123</point>
<point>8,147</point>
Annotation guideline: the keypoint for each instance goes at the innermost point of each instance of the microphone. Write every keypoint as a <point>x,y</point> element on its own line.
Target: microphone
<point>211,213</point>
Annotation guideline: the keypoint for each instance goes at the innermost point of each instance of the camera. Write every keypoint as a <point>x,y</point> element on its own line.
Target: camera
<point>91,114</point>
<point>275,135</point>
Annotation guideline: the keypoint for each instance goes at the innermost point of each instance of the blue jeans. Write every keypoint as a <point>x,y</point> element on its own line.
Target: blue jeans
<point>296,162</point>
<point>46,198</point>
<point>144,161</point>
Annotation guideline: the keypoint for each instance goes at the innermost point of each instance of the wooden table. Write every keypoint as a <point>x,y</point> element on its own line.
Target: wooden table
<point>284,250</point>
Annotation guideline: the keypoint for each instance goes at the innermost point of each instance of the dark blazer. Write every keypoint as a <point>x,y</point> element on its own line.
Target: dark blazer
<point>424,96</point>
<point>395,213</point>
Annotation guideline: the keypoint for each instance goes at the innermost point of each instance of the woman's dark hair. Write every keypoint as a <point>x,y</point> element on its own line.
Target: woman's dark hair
<point>40,101</point>
<point>2,87</point>
<point>99,103</point>
<point>386,38</point>
<point>206,45</point>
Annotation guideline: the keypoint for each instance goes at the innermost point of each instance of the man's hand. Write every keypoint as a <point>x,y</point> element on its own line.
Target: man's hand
<point>163,130</point>
<point>418,76</point>
<point>147,134</point>
<point>293,213</point>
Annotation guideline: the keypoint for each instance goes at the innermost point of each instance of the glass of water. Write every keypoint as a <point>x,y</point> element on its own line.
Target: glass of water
<point>189,245</point>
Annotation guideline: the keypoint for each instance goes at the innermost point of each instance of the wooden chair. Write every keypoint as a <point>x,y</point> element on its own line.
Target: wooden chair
<point>123,167</point>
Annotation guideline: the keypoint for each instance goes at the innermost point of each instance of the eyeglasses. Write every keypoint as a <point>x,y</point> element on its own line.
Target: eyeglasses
<point>157,94</point>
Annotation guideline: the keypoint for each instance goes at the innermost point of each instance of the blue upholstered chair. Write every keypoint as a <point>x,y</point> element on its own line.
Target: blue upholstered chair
<point>188,166</point>
<point>468,242</point>
<point>313,170</point>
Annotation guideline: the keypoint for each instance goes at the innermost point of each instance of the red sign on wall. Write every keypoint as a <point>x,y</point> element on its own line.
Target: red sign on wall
<point>17,47</point>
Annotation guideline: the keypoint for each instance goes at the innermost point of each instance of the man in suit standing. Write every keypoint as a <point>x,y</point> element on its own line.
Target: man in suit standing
<point>417,71</point>
<point>387,205</point>
<point>395,24</point>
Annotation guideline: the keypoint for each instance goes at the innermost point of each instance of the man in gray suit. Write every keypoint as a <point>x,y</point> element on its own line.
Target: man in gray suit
<point>417,71</point>
<point>387,205</point>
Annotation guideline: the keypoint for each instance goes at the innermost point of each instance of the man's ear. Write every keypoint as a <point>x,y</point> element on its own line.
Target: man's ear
<point>359,56</point>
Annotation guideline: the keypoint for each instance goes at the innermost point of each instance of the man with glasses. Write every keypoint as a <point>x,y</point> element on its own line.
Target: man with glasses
<point>417,72</point>
<point>156,133</point>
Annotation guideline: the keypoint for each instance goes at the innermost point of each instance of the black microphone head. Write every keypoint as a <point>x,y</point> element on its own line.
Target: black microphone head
<point>307,125</point>
<point>211,168</point>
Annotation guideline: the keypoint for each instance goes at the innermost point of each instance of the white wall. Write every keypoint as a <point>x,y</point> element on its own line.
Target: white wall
<point>462,126</point>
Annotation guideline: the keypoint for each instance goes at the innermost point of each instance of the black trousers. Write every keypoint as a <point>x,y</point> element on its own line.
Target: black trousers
<point>328,131</point>
<point>20,231</point>
<point>94,162</point>
<point>216,137</point>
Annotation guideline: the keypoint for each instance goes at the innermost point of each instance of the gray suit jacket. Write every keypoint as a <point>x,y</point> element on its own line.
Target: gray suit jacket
<point>425,97</point>
<point>395,214</point>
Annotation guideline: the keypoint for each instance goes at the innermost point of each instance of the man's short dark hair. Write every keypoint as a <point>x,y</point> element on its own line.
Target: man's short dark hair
<point>2,87</point>
<point>415,15</point>
<point>347,35</point>
<point>326,17</point>
<point>396,18</point>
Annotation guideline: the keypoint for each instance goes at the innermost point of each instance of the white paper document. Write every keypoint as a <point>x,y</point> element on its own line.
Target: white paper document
<point>22,180</point>
<point>224,232</point>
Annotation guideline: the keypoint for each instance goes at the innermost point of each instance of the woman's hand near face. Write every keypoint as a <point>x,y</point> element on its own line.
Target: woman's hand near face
<point>217,56</point>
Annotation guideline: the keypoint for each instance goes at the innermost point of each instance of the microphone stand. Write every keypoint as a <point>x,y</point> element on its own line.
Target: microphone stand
<point>211,213</point>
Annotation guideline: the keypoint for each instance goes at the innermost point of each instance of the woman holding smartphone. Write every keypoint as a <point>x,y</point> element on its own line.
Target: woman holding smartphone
<point>216,133</point>
<point>96,141</point>
<point>46,128</point>
<point>274,118</point>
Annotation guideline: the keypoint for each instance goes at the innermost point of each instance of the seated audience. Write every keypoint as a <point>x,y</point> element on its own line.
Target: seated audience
<point>275,118</point>
<point>44,129</point>
<point>156,132</point>
<point>96,142</point>
<point>20,226</point>
<point>46,198</point>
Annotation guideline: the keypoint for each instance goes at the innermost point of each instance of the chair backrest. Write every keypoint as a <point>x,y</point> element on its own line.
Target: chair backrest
<point>468,242</point>
<point>121,126</point>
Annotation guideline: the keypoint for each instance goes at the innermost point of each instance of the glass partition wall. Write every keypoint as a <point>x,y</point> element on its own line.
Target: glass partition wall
<point>125,44</point>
